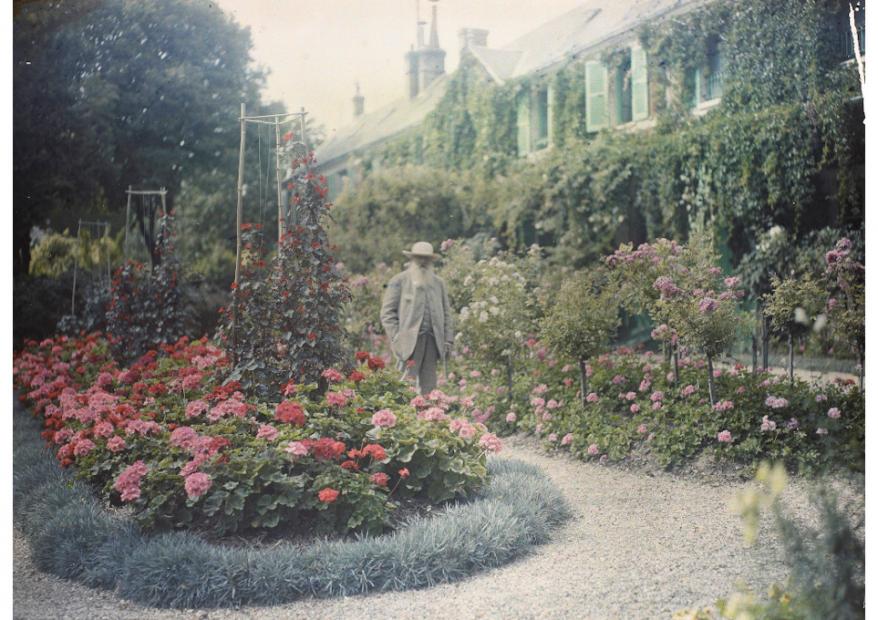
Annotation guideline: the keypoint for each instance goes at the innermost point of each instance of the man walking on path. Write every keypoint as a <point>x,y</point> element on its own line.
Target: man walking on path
<point>416,315</point>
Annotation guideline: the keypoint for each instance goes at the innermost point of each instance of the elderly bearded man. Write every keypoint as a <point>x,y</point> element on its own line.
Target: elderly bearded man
<point>416,315</point>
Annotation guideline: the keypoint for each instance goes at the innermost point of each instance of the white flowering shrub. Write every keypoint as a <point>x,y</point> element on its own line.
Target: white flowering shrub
<point>501,313</point>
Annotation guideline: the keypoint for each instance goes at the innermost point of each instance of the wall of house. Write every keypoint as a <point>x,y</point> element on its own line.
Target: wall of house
<point>738,164</point>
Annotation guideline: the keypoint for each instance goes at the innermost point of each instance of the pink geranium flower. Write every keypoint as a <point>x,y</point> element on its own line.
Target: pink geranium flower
<point>490,443</point>
<point>297,449</point>
<point>336,399</point>
<point>197,484</point>
<point>267,432</point>
<point>384,418</point>
<point>116,444</point>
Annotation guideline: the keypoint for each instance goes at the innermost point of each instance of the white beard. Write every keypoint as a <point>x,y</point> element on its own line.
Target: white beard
<point>421,276</point>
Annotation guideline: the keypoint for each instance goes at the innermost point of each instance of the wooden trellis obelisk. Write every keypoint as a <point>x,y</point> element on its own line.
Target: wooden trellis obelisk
<point>268,119</point>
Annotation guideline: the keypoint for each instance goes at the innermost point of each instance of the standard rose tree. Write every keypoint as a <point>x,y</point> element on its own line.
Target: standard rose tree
<point>796,306</point>
<point>582,321</point>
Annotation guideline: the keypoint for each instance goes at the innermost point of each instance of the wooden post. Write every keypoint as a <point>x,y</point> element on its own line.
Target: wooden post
<point>281,214</point>
<point>239,216</point>
<point>75,269</point>
<point>107,239</point>
<point>127,224</point>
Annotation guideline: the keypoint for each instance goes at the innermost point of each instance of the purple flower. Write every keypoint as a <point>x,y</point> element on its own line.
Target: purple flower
<point>792,424</point>
<point>707,305</point>
<point>666,286</point>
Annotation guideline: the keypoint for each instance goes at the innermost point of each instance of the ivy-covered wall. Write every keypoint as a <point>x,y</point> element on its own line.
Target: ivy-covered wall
<point>784,147</point>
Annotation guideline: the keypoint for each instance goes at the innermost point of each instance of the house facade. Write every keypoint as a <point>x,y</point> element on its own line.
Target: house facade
<point>598,48</point>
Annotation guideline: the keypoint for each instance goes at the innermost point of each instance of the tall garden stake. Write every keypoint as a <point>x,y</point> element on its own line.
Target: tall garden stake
<point>239,216</point>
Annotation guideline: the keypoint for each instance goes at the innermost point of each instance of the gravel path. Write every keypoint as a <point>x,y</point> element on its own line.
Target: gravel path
<point>639,546</point>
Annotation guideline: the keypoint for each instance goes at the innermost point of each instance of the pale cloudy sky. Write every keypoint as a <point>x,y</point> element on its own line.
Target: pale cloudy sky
<point>316,50</point>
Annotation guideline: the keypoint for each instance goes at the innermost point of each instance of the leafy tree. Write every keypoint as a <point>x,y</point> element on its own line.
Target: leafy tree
<point>120,92</point>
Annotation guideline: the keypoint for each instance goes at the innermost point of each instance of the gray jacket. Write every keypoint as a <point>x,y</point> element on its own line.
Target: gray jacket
<point>402,311</point>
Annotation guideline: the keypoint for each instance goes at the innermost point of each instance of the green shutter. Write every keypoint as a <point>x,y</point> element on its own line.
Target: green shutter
<point>595,96</point>
<point>639,85</point>
<point>694,85</point>
<point>550,114</point>
<point>523,124</point>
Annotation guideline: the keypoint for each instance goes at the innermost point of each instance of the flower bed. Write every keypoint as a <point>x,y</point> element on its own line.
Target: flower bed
<point>73,536</point>
<point>634,408</point>
<point>186,450</point>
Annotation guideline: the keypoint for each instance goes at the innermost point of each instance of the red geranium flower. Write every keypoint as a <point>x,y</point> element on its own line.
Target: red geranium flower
<point>376,451</point>
<point>327,495</point>
<point>328,449</point>
<point>380,478</point>
<point>361,356</point>
<point>356,376</point>
<point>404,473</point>
<point>376,363</point>
<point>290,412</point>
<point>350,465</point>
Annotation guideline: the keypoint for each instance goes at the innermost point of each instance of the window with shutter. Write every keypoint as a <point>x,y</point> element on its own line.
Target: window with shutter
<point>639,85</point>
<point>541,120</point>
<point>595,96</point>
<point>623,92</point>
<point>523,124</point>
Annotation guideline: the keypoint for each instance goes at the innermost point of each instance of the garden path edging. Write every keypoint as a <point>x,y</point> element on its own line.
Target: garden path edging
<point>73,536</point>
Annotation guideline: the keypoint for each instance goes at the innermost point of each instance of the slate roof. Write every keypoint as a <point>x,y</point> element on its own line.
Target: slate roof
<point>588,26</point>
<point>383,123</point>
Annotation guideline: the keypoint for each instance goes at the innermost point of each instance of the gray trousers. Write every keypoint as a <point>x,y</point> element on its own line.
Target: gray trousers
<point>425,358</point>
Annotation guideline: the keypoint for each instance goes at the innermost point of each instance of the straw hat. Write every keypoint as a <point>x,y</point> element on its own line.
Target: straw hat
<point>421,248</point>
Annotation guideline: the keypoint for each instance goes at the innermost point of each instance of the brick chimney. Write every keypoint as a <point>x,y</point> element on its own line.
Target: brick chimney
<point>468,37</point>
<point>359,102</point>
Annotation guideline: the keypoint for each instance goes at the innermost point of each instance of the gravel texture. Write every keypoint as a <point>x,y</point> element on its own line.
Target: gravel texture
<point>640,545</point>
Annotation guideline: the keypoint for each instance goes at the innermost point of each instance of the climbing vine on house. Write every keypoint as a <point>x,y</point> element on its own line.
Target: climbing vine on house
<point>784,147</point>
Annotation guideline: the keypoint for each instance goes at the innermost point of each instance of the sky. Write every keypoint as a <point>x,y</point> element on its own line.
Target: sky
<point>317,51</point>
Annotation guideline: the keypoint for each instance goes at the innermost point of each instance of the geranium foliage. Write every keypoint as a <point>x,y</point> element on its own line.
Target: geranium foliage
<point>187,449</point>
<point>145,305</point>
